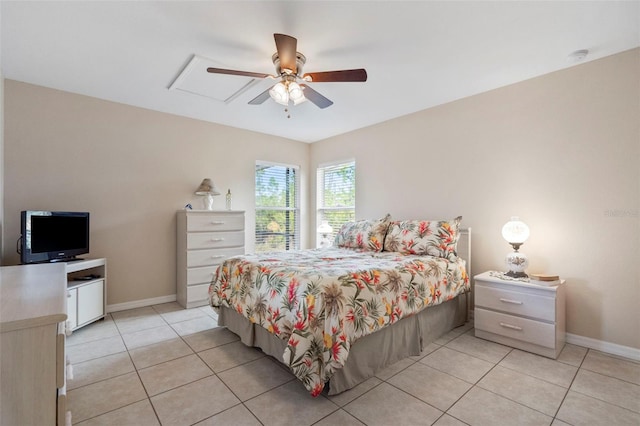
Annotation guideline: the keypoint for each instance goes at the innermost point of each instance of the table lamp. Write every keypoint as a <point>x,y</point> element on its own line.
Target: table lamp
<point>324,230</point>
<point>208,190</point>
<point>516,233</point>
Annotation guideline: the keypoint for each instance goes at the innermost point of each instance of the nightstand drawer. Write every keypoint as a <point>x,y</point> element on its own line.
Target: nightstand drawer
<point>205,240</point>
<point>219,222</point>
<point>530,305</point>
<point>526,330</point>
<point>211,257</point>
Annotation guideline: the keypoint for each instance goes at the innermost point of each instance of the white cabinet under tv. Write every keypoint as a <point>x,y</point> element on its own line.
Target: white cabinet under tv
<point>86,291</point>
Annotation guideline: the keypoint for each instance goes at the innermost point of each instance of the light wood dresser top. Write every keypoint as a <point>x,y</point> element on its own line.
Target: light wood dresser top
<point>32,295</point>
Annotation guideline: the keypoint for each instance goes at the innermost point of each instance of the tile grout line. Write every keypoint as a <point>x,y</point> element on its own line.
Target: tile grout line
<point>135,367</point>
<point>339,407</point>
<point>473,385</point>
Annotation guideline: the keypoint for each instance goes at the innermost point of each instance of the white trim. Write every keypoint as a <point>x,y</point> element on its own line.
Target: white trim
<point>274,164</point>
<point>141,303</point>
<point>337,162</point>
<point>602,346</point>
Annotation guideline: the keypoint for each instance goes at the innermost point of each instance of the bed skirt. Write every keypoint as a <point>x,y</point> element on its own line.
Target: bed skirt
<point>369,354</point>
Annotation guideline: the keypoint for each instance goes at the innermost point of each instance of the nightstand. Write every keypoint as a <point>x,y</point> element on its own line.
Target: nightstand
<point>515,313</point>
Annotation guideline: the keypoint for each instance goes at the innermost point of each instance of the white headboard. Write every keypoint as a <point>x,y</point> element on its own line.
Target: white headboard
<point>464,251</point>
<point>464,248</point>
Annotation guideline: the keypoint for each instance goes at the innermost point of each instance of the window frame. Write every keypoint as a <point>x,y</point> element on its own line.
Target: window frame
<point>320,191</point>
<point>291,236</point>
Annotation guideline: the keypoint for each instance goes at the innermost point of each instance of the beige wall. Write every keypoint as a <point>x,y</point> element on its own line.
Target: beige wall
<point>1,165</point>
<point>132,169</point>
<point>561,151</point>
<point>1,155</point>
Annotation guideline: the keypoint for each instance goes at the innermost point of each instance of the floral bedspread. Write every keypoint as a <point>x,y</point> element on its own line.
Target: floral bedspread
<point>321,301</point>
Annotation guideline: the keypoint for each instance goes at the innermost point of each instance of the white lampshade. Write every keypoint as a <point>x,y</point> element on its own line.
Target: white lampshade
<point>279,94</point>
<point>325,228</point>
<point>515,231</point>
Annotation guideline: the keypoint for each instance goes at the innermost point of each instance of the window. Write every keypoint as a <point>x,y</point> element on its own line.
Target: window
<point>277,207</point>
<point>336,195</point>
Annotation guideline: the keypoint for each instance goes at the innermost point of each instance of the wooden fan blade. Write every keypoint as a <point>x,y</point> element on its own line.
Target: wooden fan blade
<point>333,76</point>
<point>315,97</point>
<point>287,47</point>
<point>234,72</point>
<point>260,98</point>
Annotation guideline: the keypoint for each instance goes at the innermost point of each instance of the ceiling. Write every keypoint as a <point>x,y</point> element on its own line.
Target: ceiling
<point>418,54</point>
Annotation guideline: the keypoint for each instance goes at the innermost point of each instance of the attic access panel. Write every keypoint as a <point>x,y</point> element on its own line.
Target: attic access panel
<point>195,79</point>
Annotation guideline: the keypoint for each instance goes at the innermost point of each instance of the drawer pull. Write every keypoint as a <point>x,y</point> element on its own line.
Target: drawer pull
<point>217,256</point>
<point>515,302</point>
<point>216,240</point>
<point>217,222</point>
<point>513,327</point>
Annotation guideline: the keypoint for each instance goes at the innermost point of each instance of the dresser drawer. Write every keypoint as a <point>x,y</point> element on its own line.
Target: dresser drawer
<point>527,330</point>
<point>201,275</point>
<point>206,240</point>
<point>520,303</point>
<point>198,294</point>
<point>219,222</point>
<point>61,359</point>
<point>61,407</point>
<point>211,257</point>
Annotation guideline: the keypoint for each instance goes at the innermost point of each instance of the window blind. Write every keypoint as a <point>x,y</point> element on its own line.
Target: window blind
<point>277,207</point>
<point>336,195</point>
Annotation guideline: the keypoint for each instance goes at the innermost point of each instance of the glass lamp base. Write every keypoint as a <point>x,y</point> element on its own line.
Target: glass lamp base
<point>516,262</point>
<point>325,242</point>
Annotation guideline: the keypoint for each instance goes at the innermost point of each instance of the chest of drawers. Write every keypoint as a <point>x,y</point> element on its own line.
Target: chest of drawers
<point>205,238</point>
<point>32,353</point>
<point>518,314</point>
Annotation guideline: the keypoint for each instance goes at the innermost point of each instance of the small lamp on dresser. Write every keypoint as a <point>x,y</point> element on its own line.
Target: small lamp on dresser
<point>324,230</point>
<point>516,233</point>
<point>208,190</point>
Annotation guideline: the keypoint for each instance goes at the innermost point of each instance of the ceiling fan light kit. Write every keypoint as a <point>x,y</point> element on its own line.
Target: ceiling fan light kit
<point>287,90</point>
<point>288,63</point>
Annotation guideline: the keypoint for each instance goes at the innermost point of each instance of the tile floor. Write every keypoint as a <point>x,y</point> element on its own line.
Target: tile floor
<point>170,366</point>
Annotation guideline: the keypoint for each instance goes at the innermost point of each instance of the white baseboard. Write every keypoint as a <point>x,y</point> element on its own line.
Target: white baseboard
<point>602,346</point>
<point>141,303</point>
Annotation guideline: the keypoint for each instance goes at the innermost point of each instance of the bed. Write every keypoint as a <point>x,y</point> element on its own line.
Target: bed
<point>338,315</point>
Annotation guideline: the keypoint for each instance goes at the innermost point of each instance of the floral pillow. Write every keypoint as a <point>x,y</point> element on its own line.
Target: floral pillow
<point>434,238</point>
<point>367,235</point>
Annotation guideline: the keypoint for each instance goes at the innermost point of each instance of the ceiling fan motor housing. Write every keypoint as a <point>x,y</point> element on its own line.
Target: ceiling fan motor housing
<point>300,61</point>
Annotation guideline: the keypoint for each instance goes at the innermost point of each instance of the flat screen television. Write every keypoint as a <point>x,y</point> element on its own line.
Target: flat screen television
<point>49,236</point>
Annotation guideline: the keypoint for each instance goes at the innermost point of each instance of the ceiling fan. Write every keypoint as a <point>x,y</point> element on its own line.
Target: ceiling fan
<point>289,62</point>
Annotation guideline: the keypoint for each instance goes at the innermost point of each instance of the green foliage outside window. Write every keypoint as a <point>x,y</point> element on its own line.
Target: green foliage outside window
<point>277,210</point>
<point>337,195</point>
